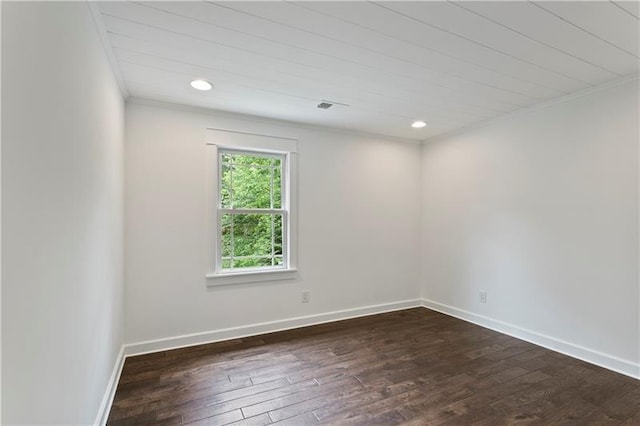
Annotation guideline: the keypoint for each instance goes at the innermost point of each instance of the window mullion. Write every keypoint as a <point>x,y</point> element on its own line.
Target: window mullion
<point>273,228</point>
<point>252,211</point>
<point>284,204</point>
<point>233,245</point>
<point>231,169</point>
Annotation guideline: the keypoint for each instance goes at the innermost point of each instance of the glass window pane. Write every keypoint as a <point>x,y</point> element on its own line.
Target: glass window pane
<point>226,157</point>
<point>277,183</point>
<point>226,177</point>
<point>277,235</point>
<point>226,236</point>
<point>251,187</point>
<point>250,181</point>
<point>251,240</point>
<point>252,262</point>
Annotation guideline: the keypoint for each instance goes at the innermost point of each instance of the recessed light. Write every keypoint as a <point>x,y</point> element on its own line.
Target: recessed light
<point>418,124</point>
<point>201,85</point>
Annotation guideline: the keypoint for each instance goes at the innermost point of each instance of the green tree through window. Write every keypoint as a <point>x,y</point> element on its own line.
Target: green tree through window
<point>252,218</point>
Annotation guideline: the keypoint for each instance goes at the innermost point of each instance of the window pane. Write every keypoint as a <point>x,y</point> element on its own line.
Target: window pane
<point>277,240</point>
<point>251,187</point>
<point>226,158</point>
<point>225,185</point>
<point>250,181</point>
<point>277,183</point>
<point>251,240</point>
<point>226,237</point>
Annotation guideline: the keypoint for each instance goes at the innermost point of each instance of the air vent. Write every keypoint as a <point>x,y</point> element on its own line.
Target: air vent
<point>325,104</point>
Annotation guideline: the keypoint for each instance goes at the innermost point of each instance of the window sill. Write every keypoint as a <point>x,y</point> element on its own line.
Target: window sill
<point>214,280</point>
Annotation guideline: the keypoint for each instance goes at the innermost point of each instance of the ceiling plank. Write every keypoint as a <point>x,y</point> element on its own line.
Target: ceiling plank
<point>279,41</point>
<point>450,64</point>
<point>602,19</point>
<point>632,7</point>
<point>286,21</point>
<point>139,38</point>
<point>310,95</point>
<point>477,22</point>
<point>538,24</point>
<point>410,30</point>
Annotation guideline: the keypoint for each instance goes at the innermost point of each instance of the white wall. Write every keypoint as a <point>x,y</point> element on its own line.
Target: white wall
<point>358,215</point>
<point>541,211</point>
<point>62,208</point>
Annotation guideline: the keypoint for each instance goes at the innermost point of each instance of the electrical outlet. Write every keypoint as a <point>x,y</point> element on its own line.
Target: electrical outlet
<point>306,295</point>
<point>483,297</point>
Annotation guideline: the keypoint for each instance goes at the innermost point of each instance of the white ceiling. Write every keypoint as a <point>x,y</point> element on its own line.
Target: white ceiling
<point>450,64</point>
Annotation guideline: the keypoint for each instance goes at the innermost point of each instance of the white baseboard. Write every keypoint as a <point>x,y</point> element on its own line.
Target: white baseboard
<point>107,399</point>
<point>262,328</point>
<point>591,356</point>
<point>607,361</point>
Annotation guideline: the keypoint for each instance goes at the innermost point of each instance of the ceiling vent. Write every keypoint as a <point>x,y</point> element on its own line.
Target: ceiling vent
<point>325,104</point>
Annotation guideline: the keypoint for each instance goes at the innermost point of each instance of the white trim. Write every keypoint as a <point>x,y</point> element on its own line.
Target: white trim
<point>234,139</point>
<point>610,362</point>
<point>251,276</point>
<point>211,197</point>
<point>237,132</point>
<point>108,49</point>
<point>0,211</point>
<point>253,211</point>
<point>535,107</point>
<point>287,147</point>
<point>107,399</point>
<point>213,336</point>
<point>607,361</point>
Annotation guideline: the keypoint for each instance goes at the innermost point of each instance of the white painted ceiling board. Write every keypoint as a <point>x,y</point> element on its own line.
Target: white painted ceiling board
<point>325,54</point>
<point>595,17</point>
<point>305,93</point>
<point>358,42</point>
<point>120,27</point>
<point>632,7</point>
<point>132,37</point>
<point>411,30</point>
<point>134,50</point>
<point>276,83</point>
<point>462,20</point>
<point>451,64</point>
<point>535,22</point>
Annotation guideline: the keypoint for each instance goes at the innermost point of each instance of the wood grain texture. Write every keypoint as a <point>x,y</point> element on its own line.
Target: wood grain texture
<point>411,367</point>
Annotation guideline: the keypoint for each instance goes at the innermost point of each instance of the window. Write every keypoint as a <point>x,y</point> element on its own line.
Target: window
<point>252,214</point>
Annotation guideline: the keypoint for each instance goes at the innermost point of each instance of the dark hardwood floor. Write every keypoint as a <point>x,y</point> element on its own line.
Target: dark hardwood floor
<point>412,367</point>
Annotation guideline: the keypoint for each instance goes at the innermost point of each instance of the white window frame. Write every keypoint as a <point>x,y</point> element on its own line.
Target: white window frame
<point>243,142</point>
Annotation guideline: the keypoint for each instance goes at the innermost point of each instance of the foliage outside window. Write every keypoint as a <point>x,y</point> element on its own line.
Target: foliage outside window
<point>252,214</point>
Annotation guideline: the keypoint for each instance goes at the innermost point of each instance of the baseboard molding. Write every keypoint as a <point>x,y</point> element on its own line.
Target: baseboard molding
<point>107,399</point>
<point>607,361</point>
<point>610,362</point>
<point>186,340</point>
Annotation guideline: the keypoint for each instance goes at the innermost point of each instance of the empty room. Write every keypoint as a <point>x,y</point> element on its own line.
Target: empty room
<point>320,212</point>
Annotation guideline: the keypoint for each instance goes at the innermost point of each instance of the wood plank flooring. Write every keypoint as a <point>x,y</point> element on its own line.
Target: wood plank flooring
<point>411,367</point>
